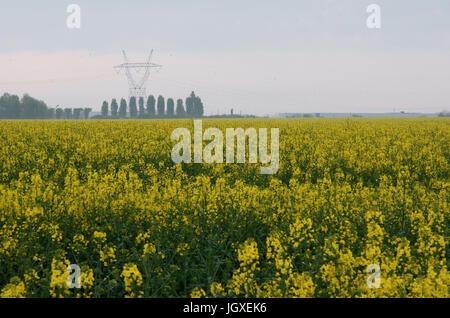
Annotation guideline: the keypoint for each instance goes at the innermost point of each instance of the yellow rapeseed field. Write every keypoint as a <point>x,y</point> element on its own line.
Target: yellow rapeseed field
<point>105,195</point>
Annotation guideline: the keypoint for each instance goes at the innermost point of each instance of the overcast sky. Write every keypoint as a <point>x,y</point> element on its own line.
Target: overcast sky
<point>256,56</point>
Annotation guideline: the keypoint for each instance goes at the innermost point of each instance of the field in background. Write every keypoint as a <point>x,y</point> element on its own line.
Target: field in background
<point>106,195</point>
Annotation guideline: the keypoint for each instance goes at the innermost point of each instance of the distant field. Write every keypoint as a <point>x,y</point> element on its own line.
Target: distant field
<point>105,195</point>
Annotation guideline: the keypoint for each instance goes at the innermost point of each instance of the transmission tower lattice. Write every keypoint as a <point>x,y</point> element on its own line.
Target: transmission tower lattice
<point>137,87</point>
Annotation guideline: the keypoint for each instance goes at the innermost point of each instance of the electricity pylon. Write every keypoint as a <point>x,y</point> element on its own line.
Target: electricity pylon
<point>137,87</point>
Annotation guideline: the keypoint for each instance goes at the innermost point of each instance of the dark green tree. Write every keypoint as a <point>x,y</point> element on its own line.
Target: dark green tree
<point>114,107</point>
<point>170,107</point>
<point>77,113</point>
<point>87,111</point>
<point>51,113</point>
<point>105,109</point>
<point>68,113</point>
<point>4,105</point>
<point>133,107</point>
<point>141,106</point>
<point>123,108</point>
<point>59,113</point>
<point>190,105</point>
<point>33,108</point>
<point>10,106</point>
<point>151,105</point>
<point>180,108</point>
<point>198,107</point>
<point>194,106</point>
<point>15,107</point>
<point>161,106</point>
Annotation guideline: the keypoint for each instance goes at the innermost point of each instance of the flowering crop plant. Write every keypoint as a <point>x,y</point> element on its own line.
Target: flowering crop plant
<point>105,195</point>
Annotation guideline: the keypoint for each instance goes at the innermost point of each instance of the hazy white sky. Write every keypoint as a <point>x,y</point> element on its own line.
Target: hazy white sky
<point>257,57</point>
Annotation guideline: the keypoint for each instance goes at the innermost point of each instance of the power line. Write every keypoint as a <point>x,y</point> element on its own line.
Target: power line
<point>137,88</point>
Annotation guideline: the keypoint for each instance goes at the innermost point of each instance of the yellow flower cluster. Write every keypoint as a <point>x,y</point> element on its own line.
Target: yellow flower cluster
<point>14,289</point>
<point>133,280</point>
<point>349,195</point>
<point>58,280</point>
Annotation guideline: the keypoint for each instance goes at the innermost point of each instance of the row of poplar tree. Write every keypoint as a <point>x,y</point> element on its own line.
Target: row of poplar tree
<point>139,108</point>
<point>27,107</point>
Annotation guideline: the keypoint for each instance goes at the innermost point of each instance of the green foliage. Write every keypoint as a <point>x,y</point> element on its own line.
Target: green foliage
<point>133,107</point>
<point>151,111</point>
<point>11,107</point>
<point>170,107</point>
<point>105,109</point>
<point>114,107</point>
<point>190,105</point>
<point>180,108</point>
<point>59,113</point>
<point>77,113</point>
<point>194,106</point>
<point>123,108</point>
<point>141,106</point>
<point>161,106</point>
<point>68,113</point>
<point>87,111</point>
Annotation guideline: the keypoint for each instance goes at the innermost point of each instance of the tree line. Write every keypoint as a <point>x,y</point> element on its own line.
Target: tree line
<point>27,107</point>
<point>153,108</point>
